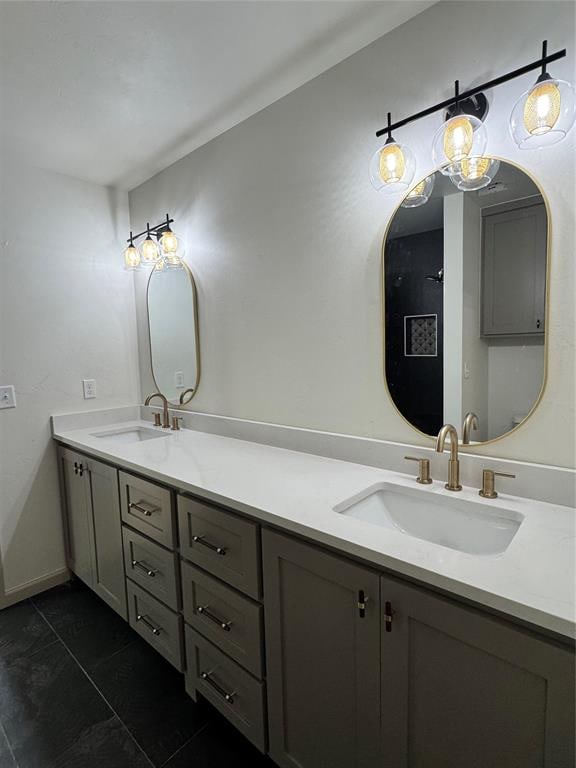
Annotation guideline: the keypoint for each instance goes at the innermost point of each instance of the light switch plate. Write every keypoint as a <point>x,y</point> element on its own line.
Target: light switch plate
<point>7,396</point>
<point>179,379</point>
<point>89,388</point>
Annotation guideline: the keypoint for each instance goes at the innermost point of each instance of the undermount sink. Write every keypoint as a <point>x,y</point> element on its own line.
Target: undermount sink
<point>129,434</point>
<point>467,526</point>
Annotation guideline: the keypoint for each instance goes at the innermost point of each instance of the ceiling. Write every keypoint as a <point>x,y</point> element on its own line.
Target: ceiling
<point>112,92</point>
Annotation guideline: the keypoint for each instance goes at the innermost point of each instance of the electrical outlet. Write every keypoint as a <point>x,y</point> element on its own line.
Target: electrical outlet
<point>7,396</point>
<point>89,388</point>
<point>179,379</point>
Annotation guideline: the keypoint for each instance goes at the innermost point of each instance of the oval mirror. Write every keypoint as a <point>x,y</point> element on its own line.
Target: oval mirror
<point>465,294</point>
<point>173,327</point>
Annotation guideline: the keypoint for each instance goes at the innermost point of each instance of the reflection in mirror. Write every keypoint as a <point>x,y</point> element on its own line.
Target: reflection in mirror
<point>173,326</point>
<point>465,305</point>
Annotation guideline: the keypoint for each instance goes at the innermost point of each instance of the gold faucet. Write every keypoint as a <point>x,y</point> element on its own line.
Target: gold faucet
<point>166,416</point>
<point>448,430</point>
<point>470,423</point>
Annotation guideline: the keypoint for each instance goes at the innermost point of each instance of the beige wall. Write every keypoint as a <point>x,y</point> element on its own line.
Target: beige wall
<point>66,313</point>
<point>284,232</point>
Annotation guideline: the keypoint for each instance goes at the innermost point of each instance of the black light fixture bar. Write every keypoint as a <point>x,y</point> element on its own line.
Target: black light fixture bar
<point>156,230</point>
<point>539,63</point>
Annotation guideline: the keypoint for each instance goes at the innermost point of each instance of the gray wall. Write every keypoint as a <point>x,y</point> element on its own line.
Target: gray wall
<point>284,232</point>
<point>66,313</point>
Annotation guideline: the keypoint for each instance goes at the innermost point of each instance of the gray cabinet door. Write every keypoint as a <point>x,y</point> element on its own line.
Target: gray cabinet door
<point>108,577</point>
<point>323,657</point>
<point>514,271</point>
<point>461,688</point>
<point>75,484</point>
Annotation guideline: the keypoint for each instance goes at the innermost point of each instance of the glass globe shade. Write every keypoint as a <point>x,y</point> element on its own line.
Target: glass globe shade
<point>150,251</point>
<point>392,168</point>
<point>169,242</point>
<point>420,193</point>
<point>460,137</point>
<point>475,173</point>
<point>543,115</point>
<point>131,258</point>
<point>174,260</point>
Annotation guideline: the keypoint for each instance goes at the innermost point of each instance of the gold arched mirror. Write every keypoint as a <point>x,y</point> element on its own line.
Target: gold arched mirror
<point>172,305</point>
<point>465,277</point>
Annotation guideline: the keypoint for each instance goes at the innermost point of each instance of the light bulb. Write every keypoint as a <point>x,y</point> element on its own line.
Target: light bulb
<point>475,173</point>
<point>392,164</point>
<point>543,115</point>
<point>392,168</point>
<point>542,108</point>
<point>460,137</point>
<point>420,193</point>
<point>150,251</point>
<point>169,242</point>
<point>131,257</point>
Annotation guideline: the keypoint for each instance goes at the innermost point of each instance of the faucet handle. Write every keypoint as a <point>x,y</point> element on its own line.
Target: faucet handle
<point>175,425</point>
<point>157,422</point>
<point>423,469</point>
<point>487,491</point>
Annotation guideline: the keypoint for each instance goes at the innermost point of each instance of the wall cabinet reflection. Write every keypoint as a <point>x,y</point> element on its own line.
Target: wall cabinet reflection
<point>465,305</point>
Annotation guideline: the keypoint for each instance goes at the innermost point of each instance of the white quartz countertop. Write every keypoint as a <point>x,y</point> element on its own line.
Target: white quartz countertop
<point>533,580</point>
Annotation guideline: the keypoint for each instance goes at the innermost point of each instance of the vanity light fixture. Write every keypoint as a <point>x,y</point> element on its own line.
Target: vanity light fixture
<point>392,166</point>
<point>151,254</point>
<point>420,193</point>
<point>542,116</point>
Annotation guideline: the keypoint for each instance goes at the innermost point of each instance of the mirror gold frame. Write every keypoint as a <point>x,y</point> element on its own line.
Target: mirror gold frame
<point>547,309</point>
<point>190,392</point>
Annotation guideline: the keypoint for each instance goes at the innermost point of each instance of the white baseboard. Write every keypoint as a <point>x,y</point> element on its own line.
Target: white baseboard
<point>34,587</point>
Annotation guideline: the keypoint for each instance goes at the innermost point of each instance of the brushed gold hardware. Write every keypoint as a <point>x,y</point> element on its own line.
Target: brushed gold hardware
<point>362,600</point>
<point>470,423</point>
<point>225,625</point>
<point>147,623</point>
<point>209,545</point>
<point>157,422</point>
<point>148,570</point>
<point>388,616</point>
<point>175,425</point>
<point>229,697</point>
<point>166,416</point>
<point>141,506</point>
<point>423,469</point>
<point>487,491</point>
<point>448,430</point>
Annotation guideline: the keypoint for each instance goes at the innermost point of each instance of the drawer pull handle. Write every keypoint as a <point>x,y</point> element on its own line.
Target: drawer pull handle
<point>213,547</point>
<point>145,567</point>
<point>229,697</point>
<point>225,625</point>
<point>147,623</point>
<point>139,507</point>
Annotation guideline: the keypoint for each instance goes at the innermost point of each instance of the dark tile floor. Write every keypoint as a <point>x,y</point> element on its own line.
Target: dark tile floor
<point>80,689</point>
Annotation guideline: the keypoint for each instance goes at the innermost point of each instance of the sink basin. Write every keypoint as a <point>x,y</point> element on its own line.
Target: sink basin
<point>129,434</point>
<point>467,526</point>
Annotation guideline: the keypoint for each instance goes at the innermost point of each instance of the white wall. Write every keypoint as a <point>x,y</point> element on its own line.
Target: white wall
<point>66,313</point>
<point>284,232</point>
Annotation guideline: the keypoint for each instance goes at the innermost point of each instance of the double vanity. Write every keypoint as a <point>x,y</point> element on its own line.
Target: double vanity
<point>337,614</point>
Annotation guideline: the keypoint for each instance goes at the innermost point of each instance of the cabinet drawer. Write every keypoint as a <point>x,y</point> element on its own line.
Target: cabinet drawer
<point>230,620</point>
<point>235,693</point>
<point>223,543</point>
<point>156,623</point>
<point>148,508</point>
<point>151,566</point>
